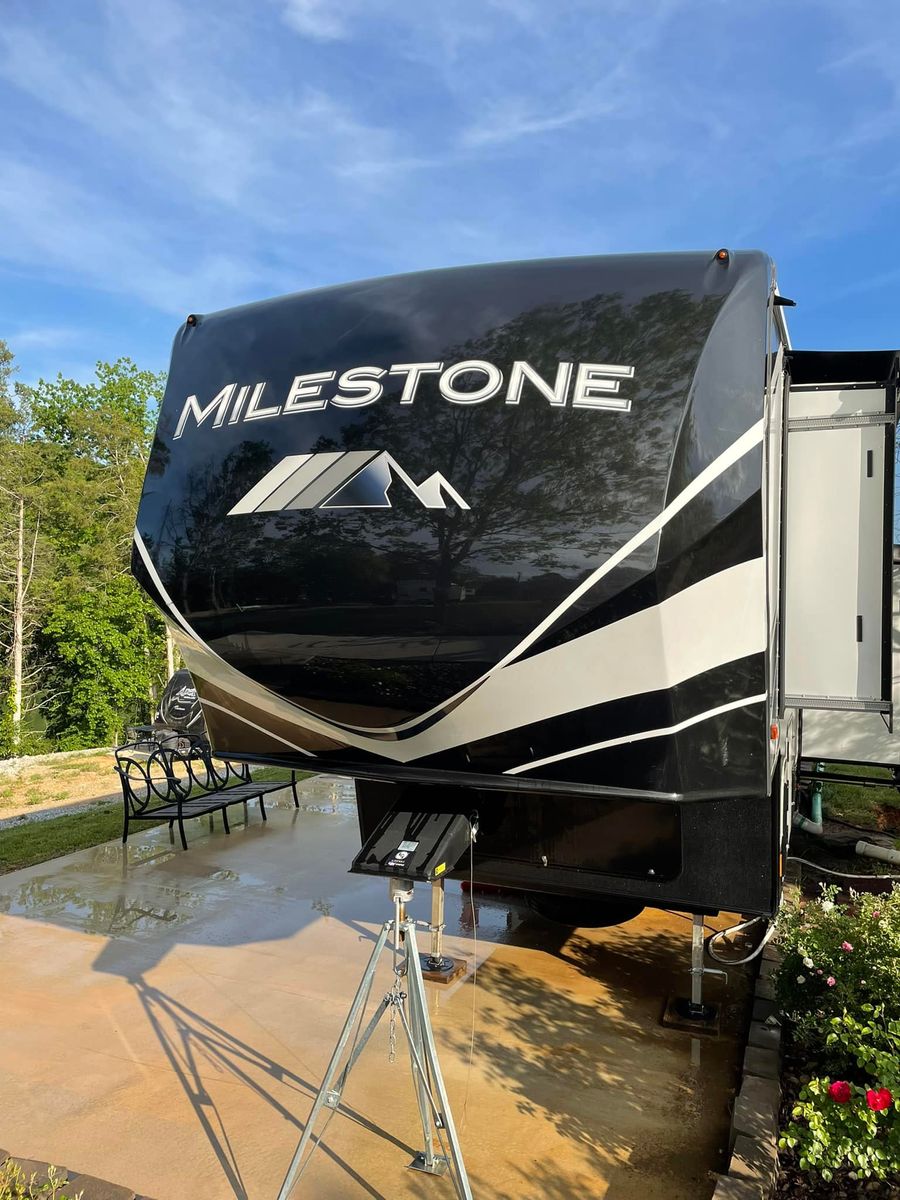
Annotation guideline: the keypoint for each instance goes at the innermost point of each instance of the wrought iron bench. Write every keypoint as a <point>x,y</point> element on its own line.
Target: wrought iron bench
<point>172,784</point>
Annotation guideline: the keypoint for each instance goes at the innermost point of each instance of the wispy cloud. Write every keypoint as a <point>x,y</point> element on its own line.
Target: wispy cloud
<point>193,156</point>
<point>58,227</point>
<point>513,119</point>
<point>320,19</point>
<point>46,337</point>
<point>218,141</point>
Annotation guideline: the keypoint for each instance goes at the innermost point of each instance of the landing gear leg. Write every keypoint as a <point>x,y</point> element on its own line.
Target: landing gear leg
<point>692,1014</point>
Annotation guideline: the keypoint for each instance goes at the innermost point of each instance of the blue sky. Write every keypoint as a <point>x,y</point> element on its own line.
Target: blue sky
<point>163,157</point>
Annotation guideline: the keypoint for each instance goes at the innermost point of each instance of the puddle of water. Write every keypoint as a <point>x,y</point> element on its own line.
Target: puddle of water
<point>493,915</point>
<point>321,793</point>
<point>47,899</point>
<point>149,884</point>
<point>135,854</point>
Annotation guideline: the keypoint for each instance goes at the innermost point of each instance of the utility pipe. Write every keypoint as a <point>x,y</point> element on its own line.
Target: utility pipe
<point>883,853</point>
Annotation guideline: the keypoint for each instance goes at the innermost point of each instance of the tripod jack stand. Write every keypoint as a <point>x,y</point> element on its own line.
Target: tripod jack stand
<point>410,1008</point>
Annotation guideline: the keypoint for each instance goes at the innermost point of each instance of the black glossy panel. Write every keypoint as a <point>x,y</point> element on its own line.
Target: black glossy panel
<point>704,857</point>
<point>369,615</point>
<point>721,755</point>
<point>666,764</point>
<point>552,490</point>
<point>843,366</point>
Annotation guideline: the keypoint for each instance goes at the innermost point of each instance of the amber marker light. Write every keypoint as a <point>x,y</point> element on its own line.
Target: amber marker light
<point>723,257</point>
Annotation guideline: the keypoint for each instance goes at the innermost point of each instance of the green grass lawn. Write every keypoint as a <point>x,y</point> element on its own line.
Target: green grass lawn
<point>38,841</point>
<point>24,845</point>
<point>859,805</point>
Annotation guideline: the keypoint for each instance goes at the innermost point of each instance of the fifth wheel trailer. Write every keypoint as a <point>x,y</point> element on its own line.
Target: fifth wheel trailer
<point>645,532</point>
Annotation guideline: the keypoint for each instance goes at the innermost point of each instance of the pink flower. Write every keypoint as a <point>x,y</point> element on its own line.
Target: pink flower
<point>840,1092</point>
<point>831,981</point>
<point>879,1100</point>
<point>846,946</point>
<point>819,972</point>
<point>876,915</point>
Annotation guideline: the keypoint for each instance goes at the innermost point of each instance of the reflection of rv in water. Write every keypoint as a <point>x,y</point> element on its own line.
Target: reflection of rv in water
<point>678,524</point>
<point>423,591</point>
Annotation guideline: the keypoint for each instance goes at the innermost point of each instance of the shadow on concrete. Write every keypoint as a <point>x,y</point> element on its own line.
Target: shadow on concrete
<point>191,1042</point>
<point>576,1043</point>
<point>586,1063</point>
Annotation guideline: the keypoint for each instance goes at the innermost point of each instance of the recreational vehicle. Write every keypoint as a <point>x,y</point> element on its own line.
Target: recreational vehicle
<point>646,532</point>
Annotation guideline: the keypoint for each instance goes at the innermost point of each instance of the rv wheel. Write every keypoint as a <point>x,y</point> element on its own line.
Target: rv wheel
<point>588,912</point>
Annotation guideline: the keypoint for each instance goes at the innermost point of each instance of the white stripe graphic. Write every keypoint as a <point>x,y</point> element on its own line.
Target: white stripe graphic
<point>268,732</point>
<point>715,621</point>
<point>736,451</point>
<point>643,736</point>
<point>500,688</point>
<point>145,558</point>
<point>269,482</point>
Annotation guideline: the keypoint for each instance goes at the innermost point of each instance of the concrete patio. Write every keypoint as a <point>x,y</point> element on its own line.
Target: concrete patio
<point>166,1018</point>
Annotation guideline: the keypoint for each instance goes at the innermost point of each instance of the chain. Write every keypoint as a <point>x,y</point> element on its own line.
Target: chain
<point>395,999</point>
<point>392,1035</point>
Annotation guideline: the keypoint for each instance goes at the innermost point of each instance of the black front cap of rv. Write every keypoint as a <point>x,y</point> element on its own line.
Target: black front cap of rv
<point>362,499</point>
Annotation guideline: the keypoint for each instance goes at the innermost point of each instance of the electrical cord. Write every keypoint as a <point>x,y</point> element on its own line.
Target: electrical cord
<point>742,925</point>
<point>839,874</point>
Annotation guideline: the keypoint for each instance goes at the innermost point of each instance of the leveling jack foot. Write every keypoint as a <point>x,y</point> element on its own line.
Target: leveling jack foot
<point>682,1013</point>
<point>692,1015</point>
<point>689,1011</point>
<point>440,969</point>
<point>439,1164</point>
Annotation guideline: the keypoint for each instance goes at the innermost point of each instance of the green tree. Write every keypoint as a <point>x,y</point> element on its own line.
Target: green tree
<point>100,644</point>
<point>19,561</point>
<point>107,644</point>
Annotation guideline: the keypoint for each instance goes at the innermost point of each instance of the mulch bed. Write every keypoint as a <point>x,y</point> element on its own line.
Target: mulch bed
<point>794,1184</point>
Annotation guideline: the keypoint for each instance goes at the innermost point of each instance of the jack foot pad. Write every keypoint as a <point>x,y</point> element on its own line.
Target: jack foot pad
<point>680,1013</point>
<point>439,1164</point>
<point>443,970</point>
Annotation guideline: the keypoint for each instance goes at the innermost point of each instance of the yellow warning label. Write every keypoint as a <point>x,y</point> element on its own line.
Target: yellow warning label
<point>440,868</point>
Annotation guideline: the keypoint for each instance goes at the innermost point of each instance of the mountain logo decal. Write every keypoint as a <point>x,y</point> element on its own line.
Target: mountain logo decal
<point>335,480</point>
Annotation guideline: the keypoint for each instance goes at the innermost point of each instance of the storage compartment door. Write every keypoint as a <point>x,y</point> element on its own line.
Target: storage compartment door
<point>838,562</point>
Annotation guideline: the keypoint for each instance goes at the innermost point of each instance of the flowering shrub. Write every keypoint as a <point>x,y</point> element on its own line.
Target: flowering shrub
<point>840,1123</point>
<point>839,985</point>
<point>838,958</point>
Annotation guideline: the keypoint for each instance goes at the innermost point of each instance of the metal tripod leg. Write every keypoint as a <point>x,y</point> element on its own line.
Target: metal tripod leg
<point>444,1117</point>
<point>426,1159</point>
<point>326,1090</point>
<point>431,1095</point>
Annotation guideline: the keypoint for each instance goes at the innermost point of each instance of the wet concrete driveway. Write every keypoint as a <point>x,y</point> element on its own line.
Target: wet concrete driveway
<point>166,1017</point>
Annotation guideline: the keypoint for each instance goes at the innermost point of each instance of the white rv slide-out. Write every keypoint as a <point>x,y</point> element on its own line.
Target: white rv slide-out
<point>859,737</point>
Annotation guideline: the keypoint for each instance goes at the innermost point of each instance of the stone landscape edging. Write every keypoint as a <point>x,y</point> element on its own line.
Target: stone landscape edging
<point>753,1169</point>
<point>73,1181</point>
